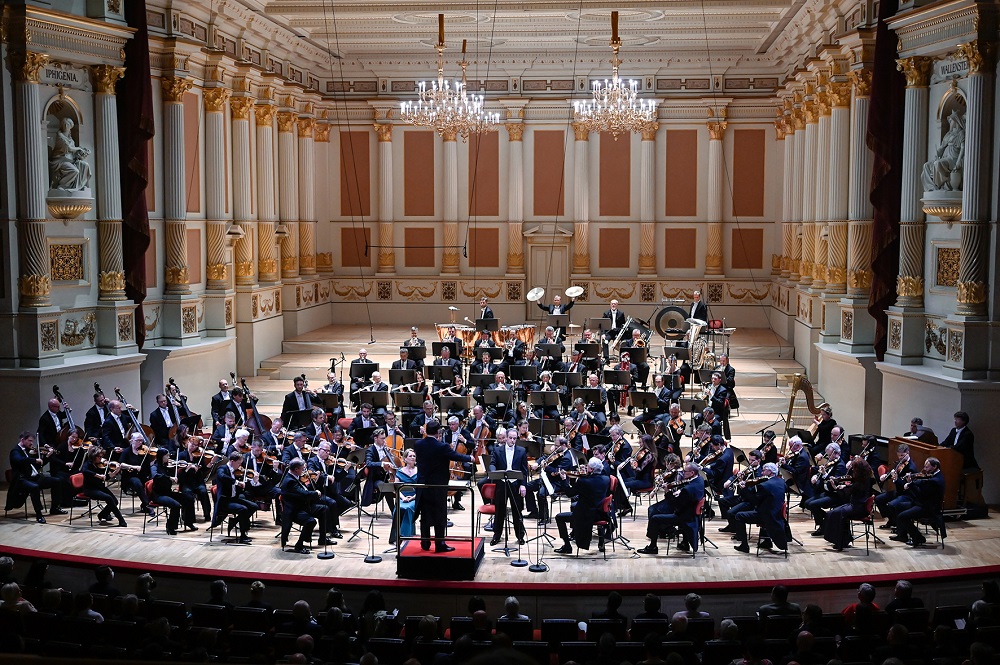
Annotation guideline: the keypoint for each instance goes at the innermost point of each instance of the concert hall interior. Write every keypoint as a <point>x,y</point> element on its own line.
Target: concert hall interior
<point>783,212</point>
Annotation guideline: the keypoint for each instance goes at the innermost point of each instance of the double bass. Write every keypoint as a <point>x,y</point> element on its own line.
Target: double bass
<point>70,426</point>
<point>256,422</point>
<point>173,390</point>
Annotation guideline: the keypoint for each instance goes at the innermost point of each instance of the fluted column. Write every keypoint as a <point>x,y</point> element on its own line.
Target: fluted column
<point>267,263</point>
<point>449,260</point>
<point>215,188</point>
<point>840,145</point>
<point>307,197</point>
<point>973,271</point>
<point>798,179</point>
<point>809,192</point>
<point>174,186</point>
<point>243,253</point>
<point>450,177</point>
<point>910,281</point>
<point>321,141</point>
<point>647,200</point>
<point>716,188</point>
<point>288,195</point>
<point>787,193</point>
<point>111,271</point>
<point>515,198</point>
<point>787,242</point>
<point>386,253</point>
<point>822,191</point>
<point>581,199</point>
<point>859,228</point>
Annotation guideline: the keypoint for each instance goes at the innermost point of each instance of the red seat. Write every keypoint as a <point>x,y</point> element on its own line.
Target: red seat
<point>76,480</point>
<point>158,509</point>
<point>489,494</point>
<point>605,523</point>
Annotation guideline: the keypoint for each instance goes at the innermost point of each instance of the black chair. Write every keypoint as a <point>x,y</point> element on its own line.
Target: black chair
<point>125,634</point>
<point>868,522</point>
<point>459,626</point>
<point>701,630</point>
<point>576,651</point>
<point>855,647</point>
<point>945,615</point>
<point>254,619</point>
<point>826,647</point>
<point>643,627</point>
<point>411,627</point>
<point>632,652</point>
<point>776,649</point>
<point>935,521</point>
<point>388,649</point>
<point>916,619</point>
<point>174,611</point>
<point>748,624</point>
<point>79,630</point>
<point>284,644</point>
<point>426,651</point>
<point>721,652</point>
<point>990,635</point>
<point>557,631</point>
<point>211,616</point>
<point>38,625</point>
<point>247,643</point>
<point>536,651</point>
<point>597,627</point>
<point>781,625</point>
<point>832,623</point>
<point>518,630</point>
<point>685,650</point>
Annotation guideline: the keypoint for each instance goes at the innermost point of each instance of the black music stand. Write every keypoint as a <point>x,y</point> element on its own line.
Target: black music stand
<point>379,399</point>
<point>437,346</point>
<point>636,355</point>
<point>494,397</point>
<point>502,477</point>
<point>192,422</point>
<point>398,377</point>
<point>416,353</point>
<point>544,398</point>
<point>363,370</point>
<point>557,321</point>
<point>480,380</point>
<point>550,350</point>
<point>297,419</point>
<point>705,375</point>
<point>492,325</point>
<point>496,352</point>
<point>600,325</point>
<point>544,427</point>
<point>451,403</point>
<point>588,395</point>
<point>682,353</point>
<point>617,377</point>
<point>598,440</point>
<point>569,379</point>
<point>644,400</point>
<point>329,401</point>
<point>364,436</point>
<point>523,372</point>
<point>590,349</point>
<point>407,400</point>
<point>441,373</point>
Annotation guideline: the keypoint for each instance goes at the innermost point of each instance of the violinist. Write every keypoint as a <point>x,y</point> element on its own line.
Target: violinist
<point>334,387</point>
<point>637,343</point>
<point>643,464</point>
<point>579,423</point>
<point>455,435</point>
<point>51,423</point>
<point>673,428</point>
<point>266,475</point>
<point>240,442</point>
<point>28,481</point>
<point>718,465</point>
<point>224,434</point>
<point>274,438</point>
<point>857,487</point>
<point>191,478</point>
<point>67,460</point>
<point>618,395</point>
<point>298,506</point>
<point>323,465</point>
<point>767,446</point>
<point>709,417</point>
<point>619,449</point>
<point>239,403</point>
<point>677,512</point>
<point>903,467</point>
<point>737,492</point>
<point>824,497</point>
<point>588,492</point>
<point>162,419</point>
<point>230,500</point>
<point>381,464</point>
<point>219,402</point>
<point>345,474</point>
<point>798,463</point>
<point>299,448</point>
<point>508,456</point>
<point>520,412</point>
<point>663,399</point>
<point>135,461</point>
<point>95,477</point>
<point>418,421</point>
<point>600,453</point>
<point>768,500</point>
<point>316,427</point>
<point>921,497</point>
<point>177,503</point>
<point>96,415</point>
<point>113,430</point>
<point>560,459</point>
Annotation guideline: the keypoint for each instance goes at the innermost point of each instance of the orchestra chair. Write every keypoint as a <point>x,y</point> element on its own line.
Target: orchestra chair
<point>642,496</point>
<point>158,509</point>
<point>76,481</point>
<point>935,521</point>
<point>293,528</point>
<point>605,528</point>
<point>868,522</point>
<point>784,521</point>
<point>9,477</point>
<point>696,540</point>
<point>489,494</point>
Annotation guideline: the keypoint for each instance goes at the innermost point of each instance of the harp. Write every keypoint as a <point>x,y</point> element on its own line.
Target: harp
<point>802,408</point>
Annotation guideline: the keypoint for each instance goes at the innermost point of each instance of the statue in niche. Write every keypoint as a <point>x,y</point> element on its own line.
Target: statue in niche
<point>68,169</point>
<point>943,171</point>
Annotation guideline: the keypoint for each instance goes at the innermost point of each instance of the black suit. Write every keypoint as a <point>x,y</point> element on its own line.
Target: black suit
<point>291,403</point>
<point>161,430</point>
<point>27,481</point>
<point>563,309</point>
<point>965,445</point>
<point>698,311</point>
<point>643,366</point>
<point>113,436</point>
<point>404,364</point>
<point>720,404</point>
<point>358,382</point>
<point>48,433</point>
<point>925,496</point>
<point>94,420</point>
<point>229,501</point>
<point>456,367</point>
<point>486,313</point>
<point>588,493</point>
<point>297,506</point>
<point>508,493</point>
<point>433,458</point>
<point>219,402</point>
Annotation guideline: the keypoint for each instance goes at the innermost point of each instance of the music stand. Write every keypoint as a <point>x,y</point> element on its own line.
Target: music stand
<point>441,373</point>
<point>398,377</point>
<point>544,398</point>
<point>363,370</point>
<point>544,427</point>
<point>568,379</point>
<point>557,321</point>
<point>494,397</point>
<point>407,400</point>
<point>598,440</point>
<point>191,422</point>
<point>523,372</point>
<point>491,325</point>
<point>496,352</point>
<point>385,487</point>
<point>636,354</point>
<point>502,477</point>
<point>416,353</point>
<point>451,403</point>
<point>329,401</point>
<point>588,395</point>
<point>297,419</point>
<point>364,436</point>
<point>705,375</point>
<point>600,325</point>
<point>643,400</point>
<point>379,399</point>
<point>437,346</point>
<point>550,350</point>
<point>590,349</point>
<point>682,353</point>
<point>617,377</point>
<point>480,380</point>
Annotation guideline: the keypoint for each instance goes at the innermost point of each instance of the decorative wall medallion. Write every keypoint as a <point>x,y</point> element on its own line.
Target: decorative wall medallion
<point>716,292</point>
<point>75,331</point>
<point>449,291</point>
<point>415,292</point>
<point>48,335</point>
<point>583,297</point>
<point>229,312</point>
<point>189,320</point>
<point>348,292</point>
<point>126,327</point>
<point>895,334</point>
<point>477,292</point>
<point>955,340</point>
<point>647,292</point>
<point>254,306</point>
<point>847,324</point>
<point>948,260</point>
<point>747,295</point>
<point>513,291</point>
<point>66,262</point>
<point>610,292</point>
<point>383,290</point>
<point>935,337</point>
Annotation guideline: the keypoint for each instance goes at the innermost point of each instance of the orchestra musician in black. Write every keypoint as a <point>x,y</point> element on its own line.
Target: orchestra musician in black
<point>588,496</point>
<point>298,506</point>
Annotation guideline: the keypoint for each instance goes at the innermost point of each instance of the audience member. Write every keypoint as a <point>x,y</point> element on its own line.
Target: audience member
<point>610,611</point>
<point>805,651</point>
<point>83,608</point>
<point>692,602</point>
<point>257,589</point>
<point>897,645</point>
<point>11,599</point>
<point>866,598</point>
<point>651,608</point>
<point>144,585</point>
<point>302,622</point>
<point>105,582</point>
<point>6,570</point>
<point>902,598</point>
<point>779,605</point>
<point>512,609</point>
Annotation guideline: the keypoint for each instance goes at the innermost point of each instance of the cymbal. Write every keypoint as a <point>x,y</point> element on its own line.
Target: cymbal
<point>535,294</point>
<point>574,325</point>
<point>574,291</point>
<point>697,322</point>
<point>453,308</point>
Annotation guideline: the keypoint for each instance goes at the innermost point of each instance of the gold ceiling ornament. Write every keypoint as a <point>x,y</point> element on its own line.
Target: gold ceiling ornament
<point>615,108</point>
<point>447,107</point>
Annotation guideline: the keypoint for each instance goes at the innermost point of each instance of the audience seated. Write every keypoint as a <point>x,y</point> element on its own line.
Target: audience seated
<point>779,604</point>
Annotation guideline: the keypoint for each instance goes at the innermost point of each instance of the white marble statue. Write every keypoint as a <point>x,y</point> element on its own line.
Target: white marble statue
<point>68,169</point>
<point>943,171</point>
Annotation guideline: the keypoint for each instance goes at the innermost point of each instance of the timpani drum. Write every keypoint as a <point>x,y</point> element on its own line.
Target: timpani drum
<point>526,333</point>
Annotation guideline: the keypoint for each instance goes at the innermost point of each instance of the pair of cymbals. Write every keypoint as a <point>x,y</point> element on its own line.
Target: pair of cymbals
<point>535,294</point>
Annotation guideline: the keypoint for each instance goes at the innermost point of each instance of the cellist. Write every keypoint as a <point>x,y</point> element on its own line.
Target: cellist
<point>462,440</point>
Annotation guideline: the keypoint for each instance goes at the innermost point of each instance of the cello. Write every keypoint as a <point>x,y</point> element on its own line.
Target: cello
<point>174,390</point>
<point>256,423</point>
<point>70,426</point>
<point>136,426</point>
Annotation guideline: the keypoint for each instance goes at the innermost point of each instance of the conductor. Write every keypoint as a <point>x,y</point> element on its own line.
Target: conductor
<point>433,458</point>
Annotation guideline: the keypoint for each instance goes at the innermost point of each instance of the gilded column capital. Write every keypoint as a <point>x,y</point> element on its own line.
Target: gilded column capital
<point>306,126</point>
<point>861,80</point>
<point>840,94</point>
<point>780,129</point>
<point>27,65</point>
<point>174,88</point>
<point>910,286</point>
<point>580,131</point>
<point>215,99</point>
<point>108,281</point>
<point>515,131</point>
<point>971,293</point>
<point>286,121</point>
<point>449,137</point>
<point>240,107</point>
<point>822,104</point>
<point>809,112</point>
<point>384,131</point>
<point>716,130</point>
<point>265,114</point>
<point>321,132</point>
<point>976,53</point>
<point>104,77</point>
<point>649,131</point>
<point>798,120</point>
<point>916,69</point>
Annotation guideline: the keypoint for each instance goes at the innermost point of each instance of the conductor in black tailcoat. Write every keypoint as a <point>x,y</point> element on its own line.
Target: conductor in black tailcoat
<point>433,459</point>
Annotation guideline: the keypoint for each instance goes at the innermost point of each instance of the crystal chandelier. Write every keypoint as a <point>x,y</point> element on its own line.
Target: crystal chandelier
<point>614,108</point>
<point>447,107</point>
